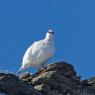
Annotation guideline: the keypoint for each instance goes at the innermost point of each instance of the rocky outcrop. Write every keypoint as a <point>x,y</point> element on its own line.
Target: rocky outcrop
<point>59,78</point>
<point>10,84</point>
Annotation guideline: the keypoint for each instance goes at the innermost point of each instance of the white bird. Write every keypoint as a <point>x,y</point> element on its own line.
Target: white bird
<point>39,52</point>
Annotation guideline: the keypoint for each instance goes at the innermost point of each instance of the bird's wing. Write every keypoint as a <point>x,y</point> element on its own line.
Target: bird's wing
<point>34,50</point>
<point>37,47</point>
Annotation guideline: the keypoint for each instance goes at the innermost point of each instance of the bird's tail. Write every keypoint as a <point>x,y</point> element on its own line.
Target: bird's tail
<point>19,71</point>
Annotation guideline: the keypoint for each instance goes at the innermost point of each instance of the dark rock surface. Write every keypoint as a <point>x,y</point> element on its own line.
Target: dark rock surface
<point>11,85</point>
<point>59,78</point>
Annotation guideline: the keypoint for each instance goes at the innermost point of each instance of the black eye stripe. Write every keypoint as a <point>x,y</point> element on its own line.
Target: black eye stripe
<point>51,32</point>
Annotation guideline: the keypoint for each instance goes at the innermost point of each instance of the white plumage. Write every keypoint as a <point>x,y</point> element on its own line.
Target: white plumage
<point>39,52</point>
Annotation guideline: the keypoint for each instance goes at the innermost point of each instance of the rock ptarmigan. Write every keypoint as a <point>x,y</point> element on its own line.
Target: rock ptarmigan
<point>39,52</point>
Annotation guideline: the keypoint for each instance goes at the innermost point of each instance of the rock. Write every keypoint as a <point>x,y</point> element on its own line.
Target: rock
<point>88,87</point>
<point>26,75</point>
<point>11,84</point>
<point>42,87</point>
<point>2,93</point>
<point>59,78</point>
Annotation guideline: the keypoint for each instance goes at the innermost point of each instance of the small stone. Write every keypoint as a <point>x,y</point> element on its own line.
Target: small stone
<point>24,76</point>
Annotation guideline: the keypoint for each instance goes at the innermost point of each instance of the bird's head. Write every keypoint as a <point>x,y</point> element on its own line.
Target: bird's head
<point>49,35</point>
<point>50,32</point>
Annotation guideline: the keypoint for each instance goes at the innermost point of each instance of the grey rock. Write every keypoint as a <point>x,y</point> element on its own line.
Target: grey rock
<point>11,84</point>
<point>2,93</point>
<point>59,78</point>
